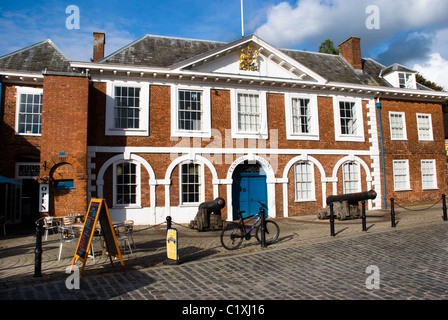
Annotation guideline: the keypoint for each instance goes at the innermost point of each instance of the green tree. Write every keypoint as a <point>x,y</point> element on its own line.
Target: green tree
<point>422,80</point>
<point>328,47</point>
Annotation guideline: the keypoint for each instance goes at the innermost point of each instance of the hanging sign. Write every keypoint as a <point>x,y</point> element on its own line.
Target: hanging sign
<point>44,197</point>
<point>97,211</point>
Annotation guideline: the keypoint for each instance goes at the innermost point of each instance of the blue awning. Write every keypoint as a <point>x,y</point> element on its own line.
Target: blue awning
<point>7,180</point>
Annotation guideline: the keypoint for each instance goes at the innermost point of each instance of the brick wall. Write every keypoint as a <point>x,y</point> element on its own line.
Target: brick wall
<point>414,150</point>
<point>64,140</point>
<point>160,128</point>
<point>350,50</point>
<point>17,147</point>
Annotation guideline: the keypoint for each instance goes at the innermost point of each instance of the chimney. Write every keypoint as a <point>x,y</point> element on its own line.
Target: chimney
<point>99,41</point>
<point>350,50</point>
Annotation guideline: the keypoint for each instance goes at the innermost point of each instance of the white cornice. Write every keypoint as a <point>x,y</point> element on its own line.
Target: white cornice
<point>132,72</point>
<point>21,76</point>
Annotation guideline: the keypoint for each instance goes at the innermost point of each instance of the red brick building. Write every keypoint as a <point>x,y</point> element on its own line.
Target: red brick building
<point>164,124</point>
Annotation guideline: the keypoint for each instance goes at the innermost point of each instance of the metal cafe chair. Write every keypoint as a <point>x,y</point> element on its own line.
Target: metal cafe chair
<point>97,237</point>
<point>124,234</point>
<point>70,234</point>
<point>66,235</point>
<point>50,224</point>
<point>68,220</point>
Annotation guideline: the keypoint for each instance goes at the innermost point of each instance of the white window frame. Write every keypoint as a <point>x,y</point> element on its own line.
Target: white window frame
<point>359,136</point>
<point>433,168</point>
<point>313,133</point>
<point>18,164</point>
<point>206,131</point>
<point>395,164</point>
<point>312,190</point>
<point>143,129</point>
<point>409,80</point>
<point>138,185</point>
<point>431,137</point>
<point>404,131</point>
<point>236,133</point>
<point>31,91</point>
<point>201,188</point>
<point>358,174</point>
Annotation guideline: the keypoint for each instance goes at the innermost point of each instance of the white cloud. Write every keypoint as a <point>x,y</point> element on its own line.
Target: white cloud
<point>288,25</point>
<point>435,70</point>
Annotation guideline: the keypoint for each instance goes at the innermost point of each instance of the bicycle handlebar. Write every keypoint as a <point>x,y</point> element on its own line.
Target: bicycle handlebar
<point>262,204</point>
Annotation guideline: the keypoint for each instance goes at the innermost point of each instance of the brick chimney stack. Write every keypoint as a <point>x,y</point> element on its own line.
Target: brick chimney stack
<point>99,41</point>
<point>350,50</point>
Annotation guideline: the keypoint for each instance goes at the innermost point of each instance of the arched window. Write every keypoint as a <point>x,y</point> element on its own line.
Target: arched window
<point>304,181</point>
<point>126,184</point>
<point>191,183</point>
<point>351,177</point>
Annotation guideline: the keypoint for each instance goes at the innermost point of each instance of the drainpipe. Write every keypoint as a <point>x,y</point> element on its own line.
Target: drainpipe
<point>378,105</point>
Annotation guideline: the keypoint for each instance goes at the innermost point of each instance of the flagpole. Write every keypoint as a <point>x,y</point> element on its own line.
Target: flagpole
<point>242,19</point>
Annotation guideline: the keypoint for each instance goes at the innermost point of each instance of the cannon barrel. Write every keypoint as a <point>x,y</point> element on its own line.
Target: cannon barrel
<point>352,197</point>
<point>212,206</point>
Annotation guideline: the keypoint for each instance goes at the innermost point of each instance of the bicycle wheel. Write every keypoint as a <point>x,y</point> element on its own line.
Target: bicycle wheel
<point>231,238</point>
<point>271,233</point>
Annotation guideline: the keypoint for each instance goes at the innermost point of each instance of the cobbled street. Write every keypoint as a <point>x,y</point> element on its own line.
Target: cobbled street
<point>412,264</point>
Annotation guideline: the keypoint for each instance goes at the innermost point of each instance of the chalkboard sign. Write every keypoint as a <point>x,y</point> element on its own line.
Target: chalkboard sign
<point>87,231</point>
<point>108,233</point>
<point>97,211</point>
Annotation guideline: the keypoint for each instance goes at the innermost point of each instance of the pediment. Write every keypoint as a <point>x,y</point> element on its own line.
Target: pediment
<point>250,56</point>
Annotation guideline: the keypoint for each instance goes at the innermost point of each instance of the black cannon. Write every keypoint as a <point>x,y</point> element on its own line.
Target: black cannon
<point>345,206</point>
<point>209,215</point>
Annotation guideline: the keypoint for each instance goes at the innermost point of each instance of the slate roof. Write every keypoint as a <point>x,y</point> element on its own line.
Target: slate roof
<point>36,58</point>
<point>157,51</point>
<point>164,52</point>
<point>334,68</point>
<point>396,67</point>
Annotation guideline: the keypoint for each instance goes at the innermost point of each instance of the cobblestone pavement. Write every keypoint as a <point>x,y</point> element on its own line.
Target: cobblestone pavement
<point>306,263</point>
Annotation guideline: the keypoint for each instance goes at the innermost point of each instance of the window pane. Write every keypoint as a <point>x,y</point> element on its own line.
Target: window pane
<point>429,174</point>
<point>190,110</point>
<point>397,126</point>
<point>301,115</point>
<point>249,112</point>
<point>350,176</point>
<point>348,118</point>
<point>30,113</point>
<point>304,181</point>
<point>127,107</point>
<point>401,174</point>
<point>126,183</point>
<point>424,127</point>
<point>190,183</point>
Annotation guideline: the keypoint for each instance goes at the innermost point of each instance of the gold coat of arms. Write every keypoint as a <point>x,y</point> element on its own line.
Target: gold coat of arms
<point>249,60</point>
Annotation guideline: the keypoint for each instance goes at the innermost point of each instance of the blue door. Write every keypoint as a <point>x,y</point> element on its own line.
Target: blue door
<point>249,187</point>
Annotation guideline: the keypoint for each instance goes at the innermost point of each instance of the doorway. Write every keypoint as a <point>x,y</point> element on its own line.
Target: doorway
<point>249,186</point>
<point>30,202</point>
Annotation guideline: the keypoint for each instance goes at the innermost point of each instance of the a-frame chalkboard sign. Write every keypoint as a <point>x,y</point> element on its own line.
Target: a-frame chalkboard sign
<point>97,211</point>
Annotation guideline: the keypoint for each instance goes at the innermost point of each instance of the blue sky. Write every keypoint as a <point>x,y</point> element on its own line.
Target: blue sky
<point>410,32</point>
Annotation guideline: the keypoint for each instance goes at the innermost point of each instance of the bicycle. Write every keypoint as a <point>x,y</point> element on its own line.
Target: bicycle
<point>231,238</point>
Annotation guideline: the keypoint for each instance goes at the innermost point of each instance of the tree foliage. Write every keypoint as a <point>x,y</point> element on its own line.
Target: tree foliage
<point>432,85</point>
<point>328,47</point>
